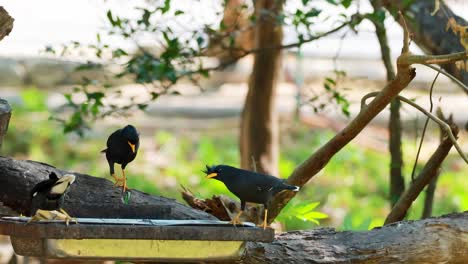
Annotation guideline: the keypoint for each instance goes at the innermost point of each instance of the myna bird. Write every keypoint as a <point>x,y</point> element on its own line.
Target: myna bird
<point>249,186</point>
<point>49,195</point>
<point>122,148</point>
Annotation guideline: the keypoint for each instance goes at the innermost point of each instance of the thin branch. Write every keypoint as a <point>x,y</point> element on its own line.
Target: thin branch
<point>425,125</point>
<point>427,174</point>
<point>441,123</point>
<point>406,38</point>
<point>450,76</point>
<point>434,59</point>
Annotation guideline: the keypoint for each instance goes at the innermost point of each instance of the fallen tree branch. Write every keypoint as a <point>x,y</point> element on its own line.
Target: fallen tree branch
<point>88,197</point>
<point>432,240</point>
<point>427,174</point>
<point>441,123</point>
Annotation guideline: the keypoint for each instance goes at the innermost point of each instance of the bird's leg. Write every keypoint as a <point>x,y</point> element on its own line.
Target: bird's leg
<point>236,219</point>
<point>124,185</point>
<point>264,224</point>
<point>118,181</point>
<point>68,217</point>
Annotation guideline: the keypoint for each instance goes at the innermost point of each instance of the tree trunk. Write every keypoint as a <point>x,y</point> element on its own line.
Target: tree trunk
<point>397,182</point>
<point>88,197</point>
<point>431,240</point>
<point>6,23</point>
<point>429,31</point>
<point>259,125</point>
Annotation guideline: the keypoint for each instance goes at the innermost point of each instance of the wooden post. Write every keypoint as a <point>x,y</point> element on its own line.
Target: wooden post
<point>5,114</point>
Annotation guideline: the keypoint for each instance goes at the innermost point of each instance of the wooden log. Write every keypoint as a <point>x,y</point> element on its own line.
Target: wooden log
<point>433,240</point>
<point>88,196</point>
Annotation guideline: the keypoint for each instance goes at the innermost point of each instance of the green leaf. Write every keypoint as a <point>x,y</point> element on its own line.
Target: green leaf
<point>346,3</point>
<point>333,2</point>
<point>142,106</point>
<point>110,18</point>
<point>315,215</point>
<point>166,7</point>
<point>330,80</point>
<point>313,13</point>
<point>303,209</point>
<point>178,12</point>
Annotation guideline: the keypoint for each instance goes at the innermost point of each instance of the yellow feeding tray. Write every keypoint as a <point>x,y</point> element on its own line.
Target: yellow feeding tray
<point>132,239</point>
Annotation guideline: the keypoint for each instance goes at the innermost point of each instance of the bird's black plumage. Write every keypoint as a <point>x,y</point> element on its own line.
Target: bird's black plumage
<point>249,186</point>
<point>50,194</point>
<point>122,148</point>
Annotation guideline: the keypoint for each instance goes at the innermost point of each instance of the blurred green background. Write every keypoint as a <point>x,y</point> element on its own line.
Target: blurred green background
<point>350,193</point>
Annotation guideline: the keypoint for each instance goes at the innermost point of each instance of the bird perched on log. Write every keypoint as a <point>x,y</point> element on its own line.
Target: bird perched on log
<point>249,186</point>
<point>122,148</point>
<point>49,195</point>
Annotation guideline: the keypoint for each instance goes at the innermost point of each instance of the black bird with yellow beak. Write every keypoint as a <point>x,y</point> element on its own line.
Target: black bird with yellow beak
<point>122,148</point>
<point>249,186</point>
<point>49,195</point>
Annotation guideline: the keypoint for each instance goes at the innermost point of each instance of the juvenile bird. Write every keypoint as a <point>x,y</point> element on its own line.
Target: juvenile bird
<point>122,148</point>
<point>248,186</point>
<point>50,195</point>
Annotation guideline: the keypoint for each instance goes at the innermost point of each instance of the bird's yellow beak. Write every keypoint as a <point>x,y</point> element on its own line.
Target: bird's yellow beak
<point>132,146</point>
<point>211,175</point>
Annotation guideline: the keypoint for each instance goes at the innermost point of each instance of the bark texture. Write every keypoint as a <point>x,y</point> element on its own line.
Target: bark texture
<point>433,240</point>
<point>429,31</point>
<point>237,25</point>
<point>5,114</point>
<point>259,125</point>
<point>88,197</point>
<point>6,23</point>
<point>397,182</point>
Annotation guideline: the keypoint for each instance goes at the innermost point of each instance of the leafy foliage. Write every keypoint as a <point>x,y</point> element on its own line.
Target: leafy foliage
<point>179,46</point>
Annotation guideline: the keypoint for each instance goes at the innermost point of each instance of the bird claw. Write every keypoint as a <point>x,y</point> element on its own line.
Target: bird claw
<point>52,215</point>
<point>121,182</point>
<point>263,225</point>
<point>236,222</point>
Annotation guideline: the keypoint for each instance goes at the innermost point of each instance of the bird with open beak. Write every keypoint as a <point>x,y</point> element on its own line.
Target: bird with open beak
<point>48,196</point>
<point>122,148</point>
<point>249,186</point>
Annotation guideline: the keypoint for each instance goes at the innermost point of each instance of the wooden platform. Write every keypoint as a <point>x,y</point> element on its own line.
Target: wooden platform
<point>132,239</point>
